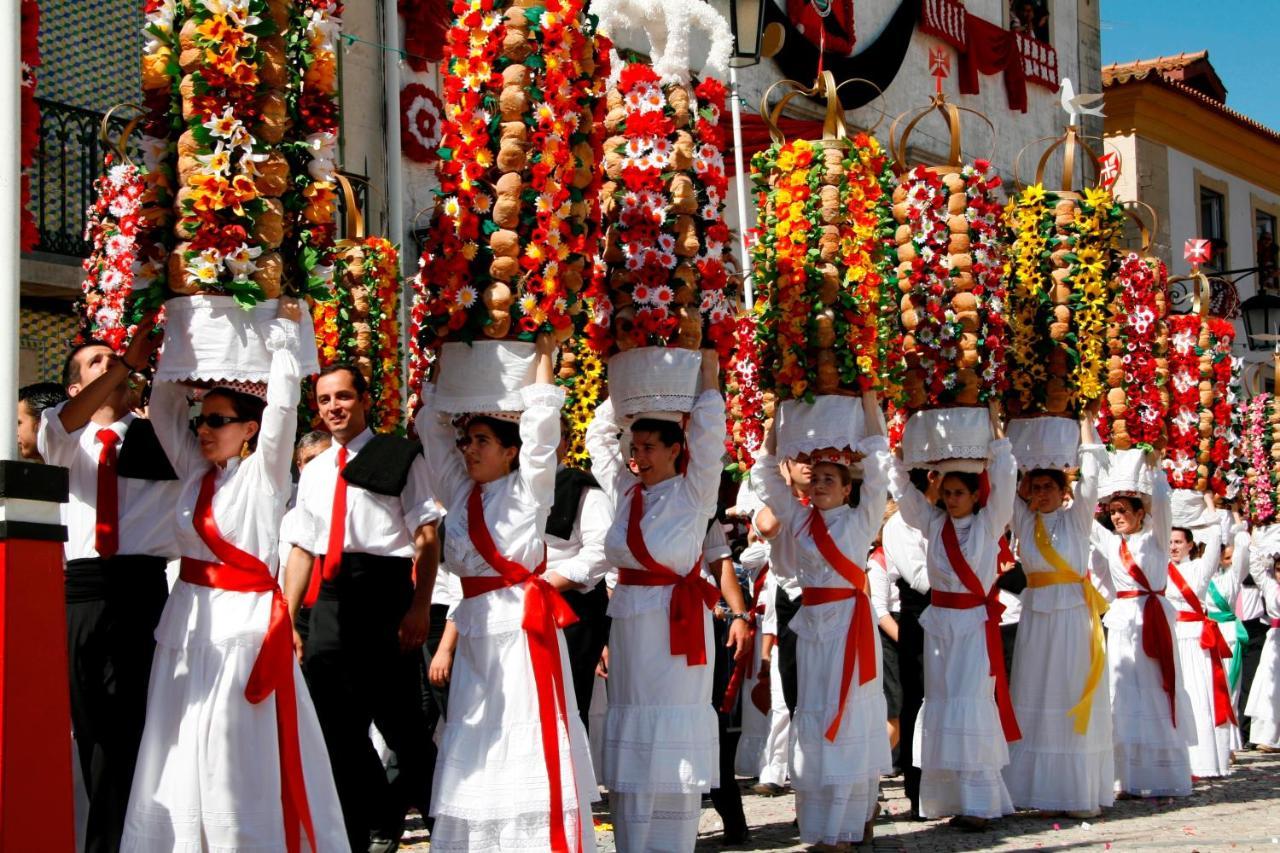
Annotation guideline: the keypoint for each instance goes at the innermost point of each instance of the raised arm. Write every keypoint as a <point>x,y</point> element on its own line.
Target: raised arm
<point>170,415</point>
<point>705,436</point>
<point>1240,557</point>
<point>770,488</point>
<point>913,506</point>
<point>446,475</point>
<point>539,437</point>
<point>88,398</point>
<point>1092,457</point>
<point>605,448</point>
<point>1002,474</point>
<point>284,390</point>
<point>1161,504</point>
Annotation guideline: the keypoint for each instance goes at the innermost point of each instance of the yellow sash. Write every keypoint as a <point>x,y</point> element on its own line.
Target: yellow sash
<point>1063,574</point>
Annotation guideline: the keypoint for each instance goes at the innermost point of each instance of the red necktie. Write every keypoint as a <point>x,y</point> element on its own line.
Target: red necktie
<point>106,534</point>
<point>337,521</point>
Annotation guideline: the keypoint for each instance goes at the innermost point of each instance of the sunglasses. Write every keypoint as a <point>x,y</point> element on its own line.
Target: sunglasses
<point>214,421</point>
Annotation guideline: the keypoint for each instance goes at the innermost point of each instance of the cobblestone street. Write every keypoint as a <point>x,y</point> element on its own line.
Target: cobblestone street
<point>1240,812</point>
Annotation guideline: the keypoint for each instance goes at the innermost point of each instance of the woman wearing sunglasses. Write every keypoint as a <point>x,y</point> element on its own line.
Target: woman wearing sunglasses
<point>232,756</point>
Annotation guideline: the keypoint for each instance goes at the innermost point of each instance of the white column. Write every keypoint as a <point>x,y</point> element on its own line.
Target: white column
<point>740,183</point>
<point>11,212</point>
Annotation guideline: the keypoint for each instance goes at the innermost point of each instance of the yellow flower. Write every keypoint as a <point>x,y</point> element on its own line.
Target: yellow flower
<point>1095,197</point>
<point>1033,194</point>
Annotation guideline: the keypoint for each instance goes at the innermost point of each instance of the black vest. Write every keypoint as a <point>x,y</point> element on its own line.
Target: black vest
<point>570,484</point>
<point>141,455</point>
<point>382,467</point>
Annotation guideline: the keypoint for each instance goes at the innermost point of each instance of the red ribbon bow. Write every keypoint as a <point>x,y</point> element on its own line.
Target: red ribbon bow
<point>1212,641</point>
<point>1157,639</point>
<point>860,642</point>
<point>990,599</point>
<point>272,671</point>
<point>545,611</point>
<point>689,593</point>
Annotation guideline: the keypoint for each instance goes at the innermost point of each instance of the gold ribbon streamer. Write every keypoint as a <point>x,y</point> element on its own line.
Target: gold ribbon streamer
<point>1063,574</point>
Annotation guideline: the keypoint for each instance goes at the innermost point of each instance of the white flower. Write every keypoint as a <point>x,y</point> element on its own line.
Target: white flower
<point>111,279</point>
<point>118,244</point>
<point>204,268</point>
<point>466,296</point>
<point>1183,381</point>
<point>1184,342</point>
<point>241,261</point>
<point>122,206</point>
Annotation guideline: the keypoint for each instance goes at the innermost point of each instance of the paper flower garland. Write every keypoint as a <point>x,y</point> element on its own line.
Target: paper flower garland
<point>1137,368</point>
<point>745,403</point>
<point>30,122</point>
<point>582,375</point>
<point>105,307</point>
<point>307,157</point>
<point>509,246</point>
<point>231,173</point>
<point>1059,281</point>
<point>1261,458</point>
<point>949,272</point>
<point>162,102</point>
<point>1228,425</point>
<point>361,326</point>
<point>1200,371</point>
<point>663,202</point>
<point>823,266</point>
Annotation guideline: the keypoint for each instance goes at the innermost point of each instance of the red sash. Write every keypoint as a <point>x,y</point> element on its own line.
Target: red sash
<point>1212,641</point>
<point>272,672</point>
<point>544,612</point>
<point>746,668</point>
<point>1157,639</point>
<point>990,599</point>
<point>860,641</point>
<point>689,593</point>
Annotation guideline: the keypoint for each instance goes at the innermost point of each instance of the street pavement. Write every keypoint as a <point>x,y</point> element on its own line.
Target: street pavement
<point>1240,812</point>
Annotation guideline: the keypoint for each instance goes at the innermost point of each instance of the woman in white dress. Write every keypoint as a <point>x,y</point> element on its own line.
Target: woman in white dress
<point>1263,704</point>
<point>966,720</point>
<point>840,745</point>
<point>1152,723</point>
<point>1203,653</point>
<point>1219,602</point>
<point>232,756</point>
<point>514,768</point>
<point>1064,761</point>
<point>661,750</point>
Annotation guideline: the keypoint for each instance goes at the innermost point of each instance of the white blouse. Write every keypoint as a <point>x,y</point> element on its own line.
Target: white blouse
<point>580,558</point>
<point>1069,529</point>
<point>248,502</point>
<point>676,511</point>
<point>515,506</point>
<point>906,552</point>
<point>1149,548</point>
<point>978,534</point>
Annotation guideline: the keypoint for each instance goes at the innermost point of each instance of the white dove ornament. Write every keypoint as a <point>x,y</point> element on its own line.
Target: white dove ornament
<point>1078,105</point>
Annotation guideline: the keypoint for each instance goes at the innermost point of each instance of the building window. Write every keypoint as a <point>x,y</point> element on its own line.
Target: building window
<point>1030,17</point>
<point>1264,233</point>
<point>1213,227</point>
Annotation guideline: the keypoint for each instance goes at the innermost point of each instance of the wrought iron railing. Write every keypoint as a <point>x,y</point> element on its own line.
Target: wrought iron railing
<point>68,158</point>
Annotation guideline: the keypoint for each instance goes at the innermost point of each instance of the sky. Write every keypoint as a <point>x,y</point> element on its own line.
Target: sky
<point>1240,35</point>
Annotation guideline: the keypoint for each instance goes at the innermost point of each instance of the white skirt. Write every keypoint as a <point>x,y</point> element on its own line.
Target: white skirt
<point>959,744</point>
<point>595,715</point>
<point>1151,755</point>
<point>1211,754</point>
<point>777,748</point>
<point>1052,767</point>
<point>660,733</point>
<point>836,783</point>
<point>1263,706</point>
<point>491,788</point>
<point>208,774</point>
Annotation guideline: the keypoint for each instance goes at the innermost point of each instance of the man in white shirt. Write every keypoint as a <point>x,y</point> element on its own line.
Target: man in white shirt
<point>576,526</point>
<point>119,535</point>
<point>372,519</point>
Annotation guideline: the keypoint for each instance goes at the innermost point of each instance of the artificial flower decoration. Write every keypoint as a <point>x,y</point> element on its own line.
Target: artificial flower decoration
<point>582,375</point>
<point>108,308</point>
<point>161,102</point>
<point>663,198</point>
<point>823,265</point>
<point>950,260</point>
<point>1201,368</point>
<point>361,326</point>
<point>1137,367</point>
<point>1261,459</point>
<point>420,115</point>
<point>510,245</point>
<point>745,404</point>
<point>1060,283</point>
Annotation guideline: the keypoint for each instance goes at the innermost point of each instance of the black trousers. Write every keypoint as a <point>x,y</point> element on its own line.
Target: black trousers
<point>911,674</point>
<point>727,799</point>
<point>113,607</point>
<point>1257,629</point>
<point>358,675</point>
<point>435,706</point>
<point>585,640</point>
<point>786,656</point>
